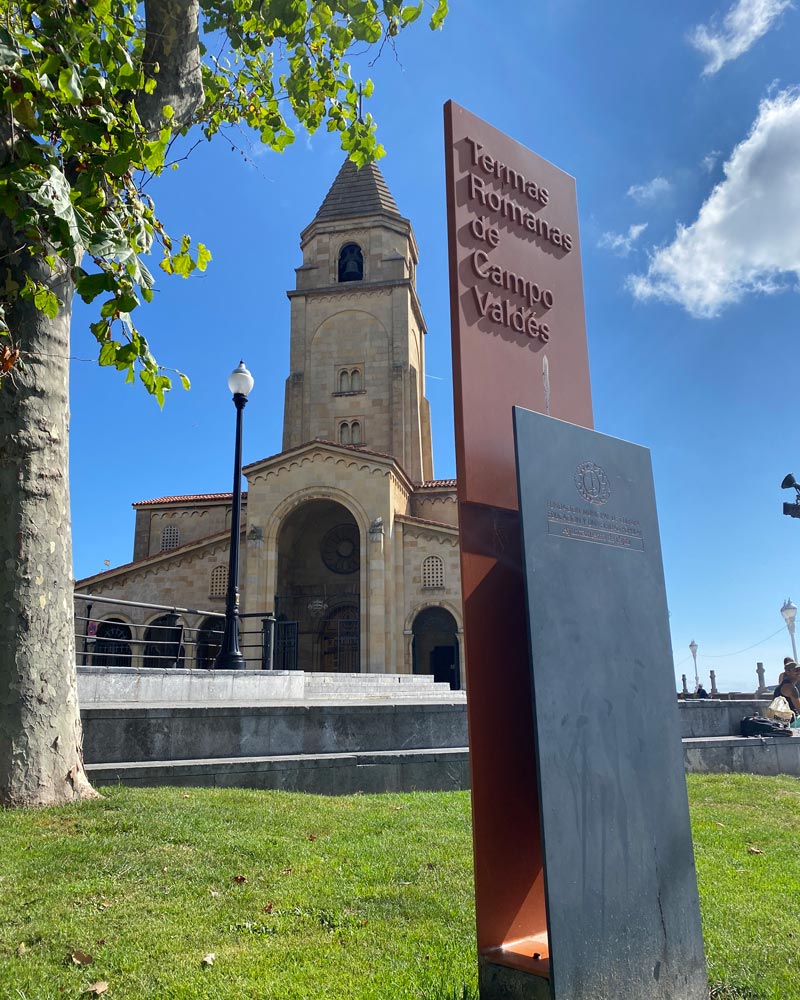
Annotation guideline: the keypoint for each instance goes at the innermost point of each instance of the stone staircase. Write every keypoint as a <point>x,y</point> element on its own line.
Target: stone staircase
<point>348,733</point>
<point>139,686</point>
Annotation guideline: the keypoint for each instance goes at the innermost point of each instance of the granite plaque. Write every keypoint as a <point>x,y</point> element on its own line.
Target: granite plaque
<point>621,893</point>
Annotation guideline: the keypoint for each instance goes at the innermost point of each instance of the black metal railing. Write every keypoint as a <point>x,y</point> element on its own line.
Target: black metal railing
<point>107,636</point>
<point>112,632</point>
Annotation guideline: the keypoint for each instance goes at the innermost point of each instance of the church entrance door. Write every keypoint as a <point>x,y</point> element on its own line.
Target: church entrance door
<point>435,646</point>
<point>339,641</point>
<point>319,563</point>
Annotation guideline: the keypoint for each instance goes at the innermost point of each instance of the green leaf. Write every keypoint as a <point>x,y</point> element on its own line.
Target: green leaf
<point>89,286</point>
<point>438,16</point>
<point>46,302</point>
<point>410,14</point>
<point>127,302</point>
<point>182,264</point>
<point>203,256</point>
<point>108,353</point>
<point>185,381</point>
<point>69,85</point>
<point>101,330</point>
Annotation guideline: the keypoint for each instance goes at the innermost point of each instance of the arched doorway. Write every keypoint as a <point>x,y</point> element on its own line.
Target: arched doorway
<point>112,646</point>
<point>435,646</point>
<point>209,639</point>
<point>163,642</point>
<point>339,652</point>
<point>318,593</point>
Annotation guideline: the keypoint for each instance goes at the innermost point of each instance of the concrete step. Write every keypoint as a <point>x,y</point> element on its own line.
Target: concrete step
<point>445,769</point>
<point>324,774</point>
<point>742,755</point>
<point>139,686</point>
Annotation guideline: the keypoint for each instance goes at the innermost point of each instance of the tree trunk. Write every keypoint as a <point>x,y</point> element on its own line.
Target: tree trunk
<point>41,761</point>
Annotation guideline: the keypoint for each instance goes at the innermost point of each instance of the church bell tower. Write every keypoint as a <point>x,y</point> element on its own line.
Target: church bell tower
<point>357,360</point>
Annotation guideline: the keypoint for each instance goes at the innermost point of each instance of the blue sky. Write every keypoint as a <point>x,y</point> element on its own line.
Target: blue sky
<point>681,124</point>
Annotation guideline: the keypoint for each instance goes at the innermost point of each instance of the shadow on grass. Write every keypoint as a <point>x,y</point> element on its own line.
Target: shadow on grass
<point>725,991</point>
<point>451,993</point>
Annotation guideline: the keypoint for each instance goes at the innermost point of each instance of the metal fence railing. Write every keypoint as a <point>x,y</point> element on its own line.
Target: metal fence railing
<point>307,634</point>
<point>106,635</point>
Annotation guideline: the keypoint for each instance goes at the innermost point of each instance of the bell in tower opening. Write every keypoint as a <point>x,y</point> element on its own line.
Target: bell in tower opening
<point>351,263</point>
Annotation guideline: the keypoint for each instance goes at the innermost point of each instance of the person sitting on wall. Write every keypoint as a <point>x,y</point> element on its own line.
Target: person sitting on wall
<point>788,686</point>
<point>786,660</point>
<point>701,692</point>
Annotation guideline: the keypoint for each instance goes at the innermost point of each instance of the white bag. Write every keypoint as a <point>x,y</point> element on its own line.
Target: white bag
<point>780,708</point>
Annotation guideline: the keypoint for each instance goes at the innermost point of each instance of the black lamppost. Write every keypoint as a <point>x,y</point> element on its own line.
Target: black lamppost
<point>240,382</point>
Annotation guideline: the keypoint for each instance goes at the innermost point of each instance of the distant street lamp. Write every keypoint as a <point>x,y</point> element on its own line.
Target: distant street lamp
<point>789,612</point>
<point>693,651</point>
<point>240,382</point>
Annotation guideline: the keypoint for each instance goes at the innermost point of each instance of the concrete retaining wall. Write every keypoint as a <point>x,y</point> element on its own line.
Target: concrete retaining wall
<point>145,734</point>
<point>347,747</point>
<point>745,755</point>
<point>717,718</point>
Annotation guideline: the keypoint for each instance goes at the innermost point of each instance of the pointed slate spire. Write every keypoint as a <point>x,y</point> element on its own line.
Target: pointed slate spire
<point>357,192</point>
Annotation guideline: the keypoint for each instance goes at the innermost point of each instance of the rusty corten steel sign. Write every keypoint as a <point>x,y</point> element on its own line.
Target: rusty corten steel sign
<point>519,332</point>
<point>519,338</point>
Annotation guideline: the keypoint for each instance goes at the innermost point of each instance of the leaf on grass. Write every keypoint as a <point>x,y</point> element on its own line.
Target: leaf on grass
<point>97,988</point>
<point>239,878</point>
<point>268,907</point>
<point>286,871</point>
<point>312,836</point>
<point>21,949</point>
<point>209,958</point>
<point>717,823</point>
<point>213,892</point>
<point>104,904</point>
<point>754,850</point>
<point>82,958</point>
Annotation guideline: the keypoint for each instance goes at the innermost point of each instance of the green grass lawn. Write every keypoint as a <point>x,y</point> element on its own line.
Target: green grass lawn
<point>351,898</point>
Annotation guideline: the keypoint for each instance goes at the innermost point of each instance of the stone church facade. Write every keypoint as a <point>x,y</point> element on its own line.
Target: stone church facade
<point>347,538</point>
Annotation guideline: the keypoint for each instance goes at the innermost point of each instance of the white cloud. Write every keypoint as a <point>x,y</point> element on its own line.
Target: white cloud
<point>710,160</point>
<point>742,27</point>
<point>620,243</point>
<point>744,239</point>
<point>649,192</point>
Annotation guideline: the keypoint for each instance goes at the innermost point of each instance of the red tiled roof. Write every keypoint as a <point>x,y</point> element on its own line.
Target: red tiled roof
<point>189,498</point>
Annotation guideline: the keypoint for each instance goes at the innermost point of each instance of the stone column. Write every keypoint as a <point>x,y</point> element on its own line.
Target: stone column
<point>376,581</point>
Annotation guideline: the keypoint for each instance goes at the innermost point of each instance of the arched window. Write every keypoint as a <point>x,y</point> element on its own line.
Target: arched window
<point>170,537</point>
<point>355,432</point>
<point>344,432</point>
<point>351,263</point>
<point>112,646</point>
<point>344,380</point>
<point>355,380</point>
<point>164,642</point>
<point>209,639</point>
<point>433,572</point>
<point>219,582</point>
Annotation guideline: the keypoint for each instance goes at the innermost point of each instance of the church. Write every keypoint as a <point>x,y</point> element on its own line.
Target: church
<point>347,539</point>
